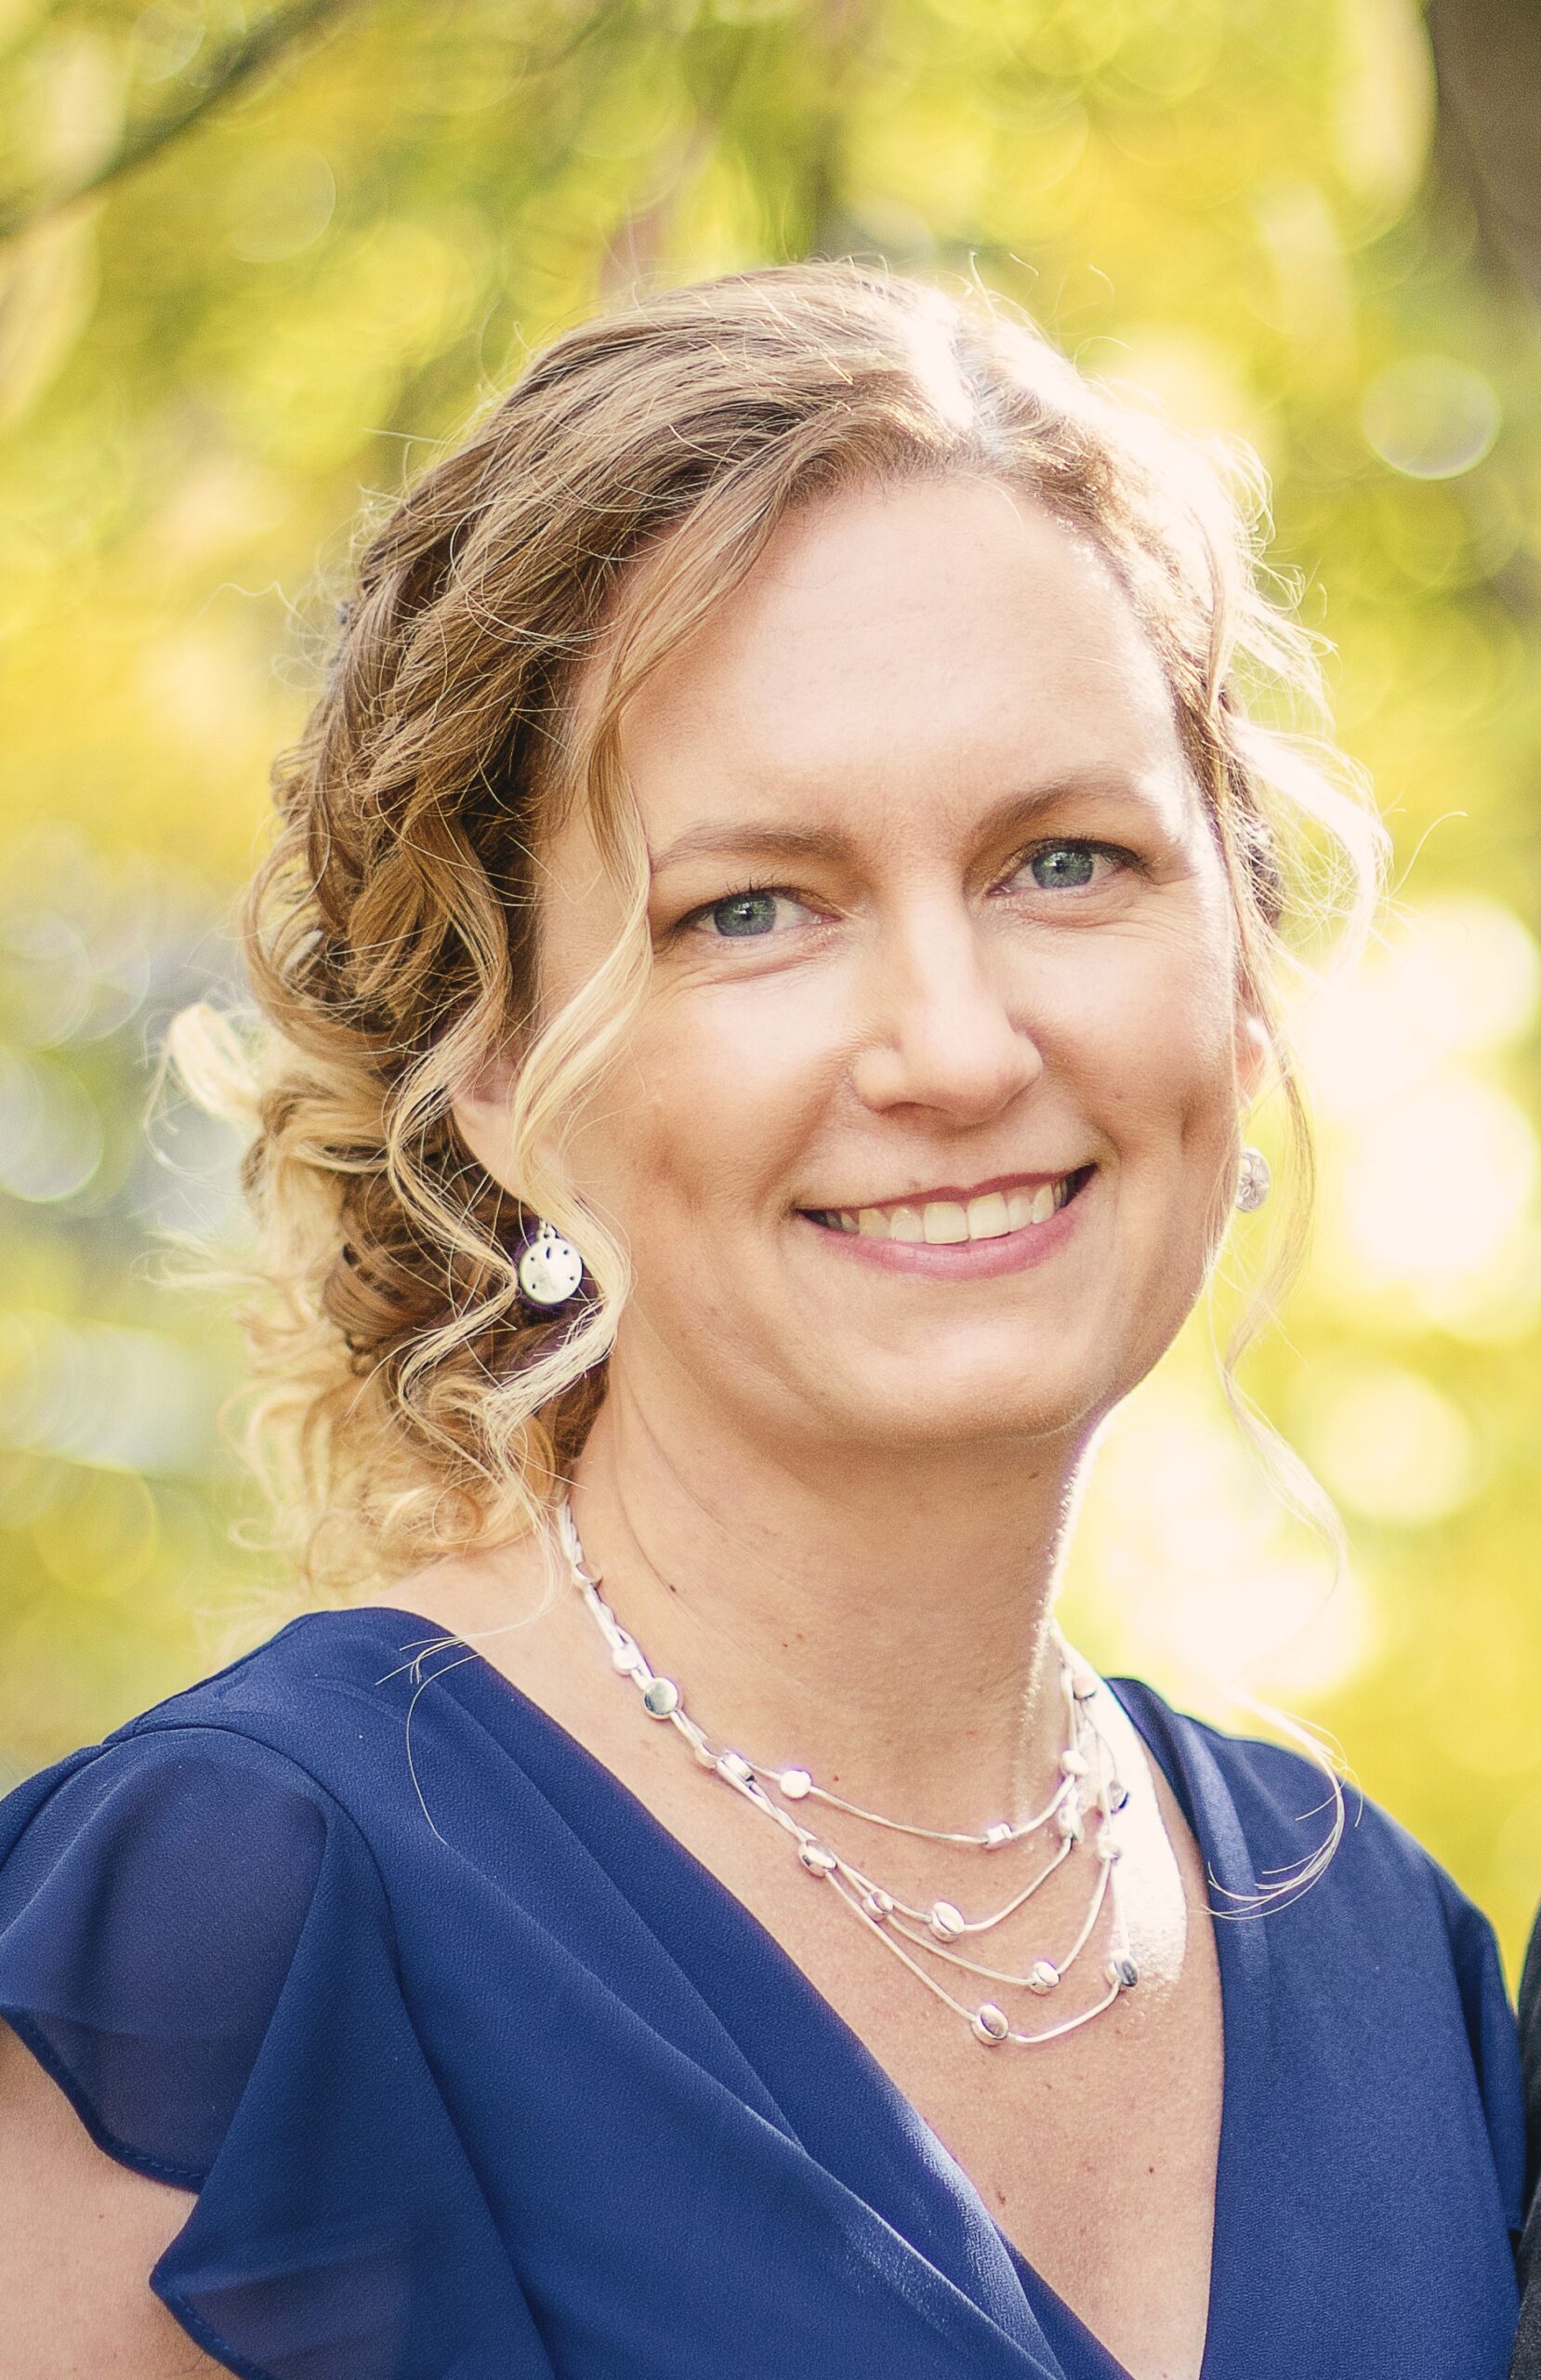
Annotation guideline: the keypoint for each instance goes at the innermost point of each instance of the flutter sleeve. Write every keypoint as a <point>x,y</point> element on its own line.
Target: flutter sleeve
<point>1494,2043</point>
<point>196,1944</point>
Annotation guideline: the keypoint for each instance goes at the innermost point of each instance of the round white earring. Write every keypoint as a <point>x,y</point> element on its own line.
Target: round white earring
<point>1254,1180</point>
<point>550,1269</point>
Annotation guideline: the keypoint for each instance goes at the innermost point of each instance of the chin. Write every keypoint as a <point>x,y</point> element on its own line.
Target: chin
<point>932,1405</point>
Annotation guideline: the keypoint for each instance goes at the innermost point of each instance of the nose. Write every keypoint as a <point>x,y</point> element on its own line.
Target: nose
<point>943,1034</point>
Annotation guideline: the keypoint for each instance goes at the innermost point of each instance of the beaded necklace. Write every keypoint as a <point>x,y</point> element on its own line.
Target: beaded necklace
<point>1088,1793</point>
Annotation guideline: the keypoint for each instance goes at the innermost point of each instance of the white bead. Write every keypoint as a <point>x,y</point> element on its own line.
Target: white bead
<point>1083,1685</point>
<point>1108,1849</point>
<point>626,1656</point>
<point>1068,1819</point>
<point>945,1922</point>
<point>733,1765</point>
<point>988,2022</point>
<point>993,1836</point>
<point>878,1903</point>
<point>796,1784</point>
<point>1042,1976</point>
<point>1122,1971</point>
<point>817,1859</point>
<point>660,1697</point>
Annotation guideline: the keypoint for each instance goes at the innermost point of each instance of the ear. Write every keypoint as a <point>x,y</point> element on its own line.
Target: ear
<point>1254,1052</point>
<point>481,1113</point>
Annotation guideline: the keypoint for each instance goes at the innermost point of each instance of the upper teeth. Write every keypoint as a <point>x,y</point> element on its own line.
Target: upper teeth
<point>946,1222</point>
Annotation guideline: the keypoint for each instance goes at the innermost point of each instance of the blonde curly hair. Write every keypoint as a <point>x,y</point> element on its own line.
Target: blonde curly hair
<point>405,1402</point>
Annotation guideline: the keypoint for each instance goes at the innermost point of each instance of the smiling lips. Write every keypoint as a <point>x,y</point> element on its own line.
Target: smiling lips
<point>947,1222</point>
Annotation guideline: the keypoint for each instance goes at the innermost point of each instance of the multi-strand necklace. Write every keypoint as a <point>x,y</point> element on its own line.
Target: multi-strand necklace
<point>1079,1814</point>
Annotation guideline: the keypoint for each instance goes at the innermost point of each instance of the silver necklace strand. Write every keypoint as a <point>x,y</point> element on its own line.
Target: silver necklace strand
<point>1088,1789</point>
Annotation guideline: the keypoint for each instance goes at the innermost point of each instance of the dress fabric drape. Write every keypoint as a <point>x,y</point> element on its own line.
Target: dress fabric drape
<point>478,2074</point>
<point>1527,2345</point>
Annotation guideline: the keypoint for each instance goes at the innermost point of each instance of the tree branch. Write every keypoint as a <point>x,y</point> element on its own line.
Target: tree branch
<point>140,142</point>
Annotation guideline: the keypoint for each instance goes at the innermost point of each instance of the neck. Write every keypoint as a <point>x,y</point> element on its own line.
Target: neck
<point>882,1623</point>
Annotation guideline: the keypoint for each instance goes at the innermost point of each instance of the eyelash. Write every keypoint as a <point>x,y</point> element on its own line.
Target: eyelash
<point>747,892</point>
<point>1125,859</point>
<point>1115,851</point>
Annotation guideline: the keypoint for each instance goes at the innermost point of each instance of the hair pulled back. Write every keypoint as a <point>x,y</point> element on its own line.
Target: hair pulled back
<point>405,1402</point>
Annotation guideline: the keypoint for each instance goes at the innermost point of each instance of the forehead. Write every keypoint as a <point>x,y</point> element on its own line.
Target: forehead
<point>938,639</point>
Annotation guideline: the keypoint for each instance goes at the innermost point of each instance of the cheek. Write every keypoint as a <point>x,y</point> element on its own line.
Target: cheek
<point>709,1107</point>
<point>1164,1044</point>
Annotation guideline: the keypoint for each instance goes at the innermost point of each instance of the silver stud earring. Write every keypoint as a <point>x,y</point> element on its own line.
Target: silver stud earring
<point>1254,1180</point>
<point>550,1269</point>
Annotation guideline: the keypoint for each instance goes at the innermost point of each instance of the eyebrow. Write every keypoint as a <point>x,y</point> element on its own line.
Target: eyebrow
<point>749,837</point>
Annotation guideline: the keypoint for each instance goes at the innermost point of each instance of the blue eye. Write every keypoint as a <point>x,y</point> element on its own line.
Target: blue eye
<point>746,913</point>
<point>743,914</point>
<point>1060,867</point>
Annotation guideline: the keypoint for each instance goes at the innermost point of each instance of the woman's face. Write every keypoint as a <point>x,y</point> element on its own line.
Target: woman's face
<point>920,1131</point>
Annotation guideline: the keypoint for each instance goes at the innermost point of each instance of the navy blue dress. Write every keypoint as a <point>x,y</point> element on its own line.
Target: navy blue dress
<point>478,2074</point>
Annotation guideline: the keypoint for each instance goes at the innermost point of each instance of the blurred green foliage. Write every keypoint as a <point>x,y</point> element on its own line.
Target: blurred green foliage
<point>1225,203</point>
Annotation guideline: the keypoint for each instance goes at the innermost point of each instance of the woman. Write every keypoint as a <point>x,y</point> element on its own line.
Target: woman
<point>773,933</point>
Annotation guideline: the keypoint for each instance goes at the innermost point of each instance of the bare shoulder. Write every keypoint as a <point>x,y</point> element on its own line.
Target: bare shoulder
<point>80,2237</point>
<point>493,1597</point>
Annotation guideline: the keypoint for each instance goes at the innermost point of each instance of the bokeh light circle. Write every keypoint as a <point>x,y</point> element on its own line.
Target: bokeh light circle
<point>1431,417</point>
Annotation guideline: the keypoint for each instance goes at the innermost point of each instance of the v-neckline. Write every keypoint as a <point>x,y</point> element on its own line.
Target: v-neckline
<point>1176,1746</point>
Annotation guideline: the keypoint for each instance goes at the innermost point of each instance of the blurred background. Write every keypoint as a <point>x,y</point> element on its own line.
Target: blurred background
<point>255,266</point>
